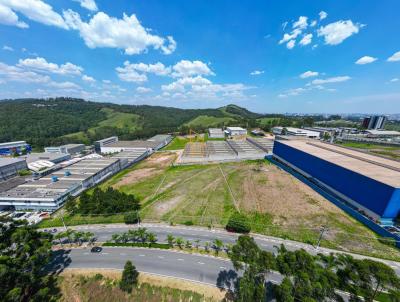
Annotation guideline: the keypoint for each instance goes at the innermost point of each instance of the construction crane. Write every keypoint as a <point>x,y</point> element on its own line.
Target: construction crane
<point>191,131</point>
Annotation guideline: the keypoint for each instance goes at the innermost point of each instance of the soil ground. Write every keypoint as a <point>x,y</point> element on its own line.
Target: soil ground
<point>276,203</point>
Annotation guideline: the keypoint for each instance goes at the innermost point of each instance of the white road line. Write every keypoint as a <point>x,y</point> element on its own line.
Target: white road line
<point>104,253</point>
<point>161,257</point>
<point>222,267</point>
<point>180,259</point>
<point>86,253</point>
<point>200,262</point>
<point>141,255</point>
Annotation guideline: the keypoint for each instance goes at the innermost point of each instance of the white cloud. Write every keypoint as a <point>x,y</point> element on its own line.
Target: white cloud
<point>306,39</point>
<point>40,64</point>
<point>126,33</point>
<point>88,79</point>
<point>366,60</point>
<point>331,80</point>
<point>291,36</point>
<point>322,15</point>
<point>291,44</point>
<point>313,23</point>
<point>158,68</point>
<point>257,72</point>
<point>173,87</point>
<point>335,33</point>
<point>194,81</point>
<point>186,68</point>
<point>88,4</point>
<point>106,81</point>
<point>17,74</point>
<point>8,48</point>
<point>8,17</point>
<point>143,89</point>
<point>301,23</point>
<point>309,74</point>
<point>395,57</point>
<point>394,80</point>
<point>35,10</point>
<point>64,85</point>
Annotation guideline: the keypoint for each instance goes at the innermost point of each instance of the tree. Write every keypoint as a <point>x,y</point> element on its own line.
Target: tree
<point>197,243</point>
<point>152,237</point>
<point>179,242</point>
<point>24,254</point>
<point>129,277</point>
<point>88,237</point>
<point>131,217</point>
<point>116,238</point>
<point>170,240</point>
<point>142,234</point>
<point>188,244</point>
<point>238,223</point>
<point>217,245</point>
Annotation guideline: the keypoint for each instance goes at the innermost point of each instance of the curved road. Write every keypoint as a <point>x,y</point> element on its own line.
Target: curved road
<point>104,233</point>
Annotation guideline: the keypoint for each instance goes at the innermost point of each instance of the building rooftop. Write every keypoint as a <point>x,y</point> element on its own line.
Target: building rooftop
<point>381,169</point>
<point>235,128</point>
<point>134,144</point>
<point>7,144</point>
<point>159,138</point>
<point>8,161</point>
<point>32,157</point>
<point>216,130</point>
<point>383,132</point>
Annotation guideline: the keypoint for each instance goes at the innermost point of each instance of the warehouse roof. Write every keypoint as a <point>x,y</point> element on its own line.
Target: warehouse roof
<point>381,169</point>
<point>32,157</point>
<point>8,161</point>
<point>159,138</point>
<point>133,144</point>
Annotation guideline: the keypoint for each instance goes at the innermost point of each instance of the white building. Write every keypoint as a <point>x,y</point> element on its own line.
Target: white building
<point>295,132</point>
<point>9,167</point>
<point>216,133</point>
<point>66,149</point>
<point>235,131</point>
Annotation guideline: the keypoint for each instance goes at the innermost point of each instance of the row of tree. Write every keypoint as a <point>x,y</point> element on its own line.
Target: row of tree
<point>306,277</point>
<point>141,235</point>
<point>24,252</point>
<point>103,202</point>
<point>72,236</point>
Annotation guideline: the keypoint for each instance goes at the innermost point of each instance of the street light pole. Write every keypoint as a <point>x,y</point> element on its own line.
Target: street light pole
<point>323,230</point>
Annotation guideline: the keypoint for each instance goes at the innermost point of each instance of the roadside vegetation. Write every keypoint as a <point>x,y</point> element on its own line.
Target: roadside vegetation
<point>306,277</point>
<point>131,286</point>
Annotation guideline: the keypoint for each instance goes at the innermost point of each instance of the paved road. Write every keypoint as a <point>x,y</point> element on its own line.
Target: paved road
<point>104,233</point>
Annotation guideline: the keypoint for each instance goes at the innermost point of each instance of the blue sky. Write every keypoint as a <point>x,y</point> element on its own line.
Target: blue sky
<point>269,56</point>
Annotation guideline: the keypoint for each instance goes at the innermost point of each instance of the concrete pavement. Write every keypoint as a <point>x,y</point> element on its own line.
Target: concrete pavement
<point>104,233</point>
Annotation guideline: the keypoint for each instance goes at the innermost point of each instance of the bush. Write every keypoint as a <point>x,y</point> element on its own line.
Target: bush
<point>163,246</point>
<point>188,222</point>
<point>387,240</point>
<point>131,217</point>
<point>238,223</point>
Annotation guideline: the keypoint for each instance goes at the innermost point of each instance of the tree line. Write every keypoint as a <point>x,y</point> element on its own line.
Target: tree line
<point>103,202</point>
<point>307,277</point>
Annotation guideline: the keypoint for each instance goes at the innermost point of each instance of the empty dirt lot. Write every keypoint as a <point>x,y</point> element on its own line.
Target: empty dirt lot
<point>276,203</point>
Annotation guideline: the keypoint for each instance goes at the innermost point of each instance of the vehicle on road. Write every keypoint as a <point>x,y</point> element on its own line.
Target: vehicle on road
<point>96,249</point>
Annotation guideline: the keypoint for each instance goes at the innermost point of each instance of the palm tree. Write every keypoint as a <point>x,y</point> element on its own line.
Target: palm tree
<point>188,244</point>
<point>217,245</point>
<point>78,237</point>
<point>179,242</point>
<point>142,234</point>
<point>69,234</point>
<point>197,243</point>
<point>60,236</point>
<point>170,239</point>
<point>116,238</point>
<point>87,237</point>
<point>207,246</point>
<point>124,237</point>
<point>152,237</point>
<point>133,235</point>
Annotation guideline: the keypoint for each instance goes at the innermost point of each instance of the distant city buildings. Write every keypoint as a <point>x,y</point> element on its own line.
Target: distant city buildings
<point>374,122</point>
<point>295,132</point>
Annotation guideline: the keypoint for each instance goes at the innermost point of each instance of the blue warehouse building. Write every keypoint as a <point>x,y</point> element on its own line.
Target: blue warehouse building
<point>368,183</point>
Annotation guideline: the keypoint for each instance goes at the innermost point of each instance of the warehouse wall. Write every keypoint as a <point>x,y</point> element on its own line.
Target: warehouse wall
<point>379,198</point>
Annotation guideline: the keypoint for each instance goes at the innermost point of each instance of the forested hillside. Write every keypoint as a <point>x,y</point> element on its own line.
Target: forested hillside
<point>67,120</point>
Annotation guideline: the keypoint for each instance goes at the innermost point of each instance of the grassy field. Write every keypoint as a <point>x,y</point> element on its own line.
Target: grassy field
<point>89,285</point>
<point>206,121</point>
<point>389,151</point>
<point>179,142</point>
<point>275,202</point>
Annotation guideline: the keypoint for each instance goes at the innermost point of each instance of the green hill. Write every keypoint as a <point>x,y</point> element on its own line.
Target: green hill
<point>44,122</point>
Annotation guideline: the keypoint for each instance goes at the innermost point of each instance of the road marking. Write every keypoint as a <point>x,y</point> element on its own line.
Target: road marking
<point>123,254</point>
<point>180,259</point>
<point>86,253</point>
<point>222,267</point>
<point>141,255</point>
<point>161,257</point>
<point>104,253</point>
<point>200,262</point>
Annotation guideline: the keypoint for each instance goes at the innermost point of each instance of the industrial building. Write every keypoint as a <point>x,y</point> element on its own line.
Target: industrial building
<point>9,167</point>
<point>130,157</point>
<point>236,131</point>
<point>216,133</point>
<point>374,122</point>
<point>163,139</point>
<point>49,192</point>
<point>295,132</point>
<point>71,149</point>
<point>367,183</point>
<point>137,145</point>
<point>10,148</point>
<point>104,142</point>
<point>225,151</point>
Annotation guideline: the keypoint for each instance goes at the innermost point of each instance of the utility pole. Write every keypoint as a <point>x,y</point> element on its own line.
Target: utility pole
<point>323,230</point>
<point>62,219</point>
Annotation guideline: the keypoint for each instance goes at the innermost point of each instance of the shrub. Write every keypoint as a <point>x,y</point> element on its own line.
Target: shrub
<point>163,246</point>
<point>131,217</point>
<point>188,222</point>
<point>238,223</point>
